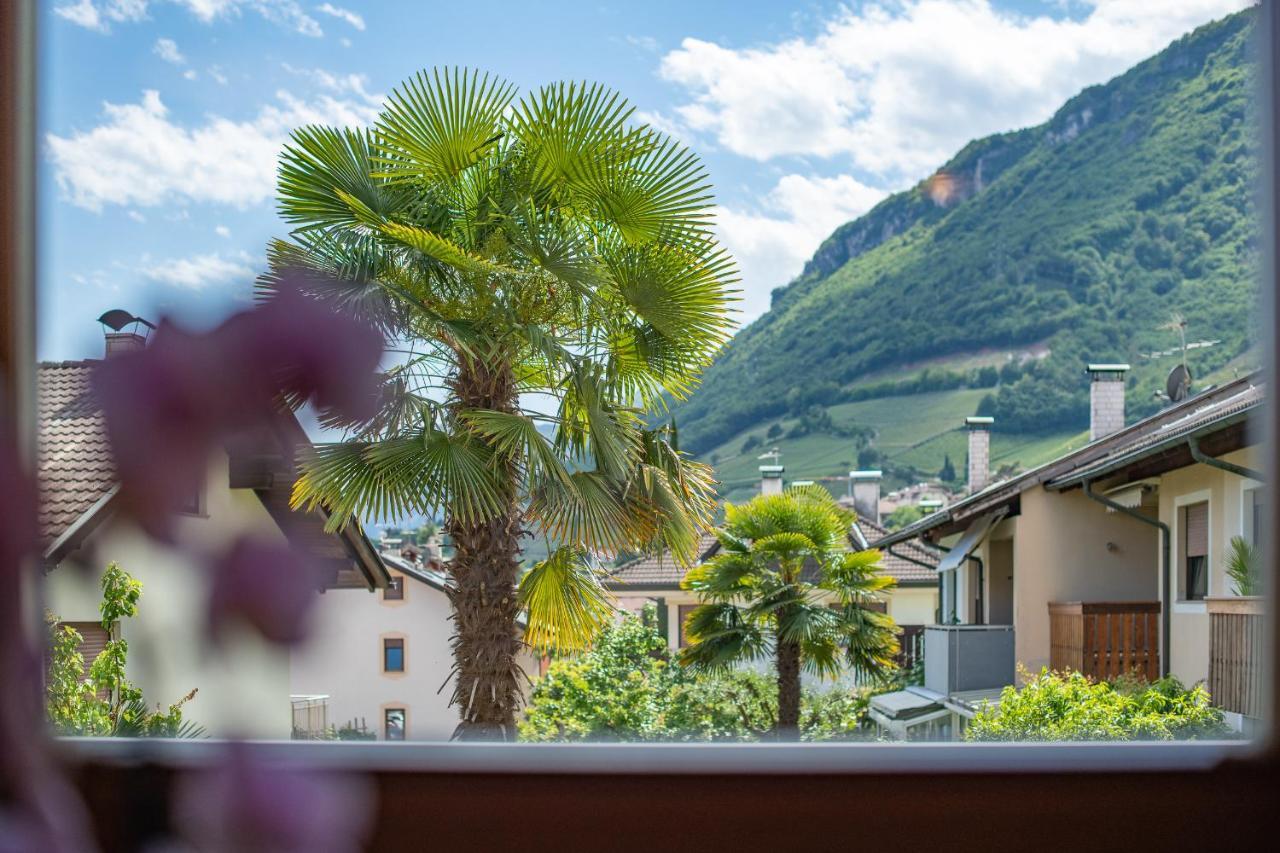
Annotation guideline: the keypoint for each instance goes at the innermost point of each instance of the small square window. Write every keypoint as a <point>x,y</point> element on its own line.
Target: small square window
<point>394,590</point>
<point>193,501</point>
<point>394,724</point>
<point>393,655</point>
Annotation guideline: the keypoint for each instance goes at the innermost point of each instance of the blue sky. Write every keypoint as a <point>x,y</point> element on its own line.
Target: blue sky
<point>161,119</point>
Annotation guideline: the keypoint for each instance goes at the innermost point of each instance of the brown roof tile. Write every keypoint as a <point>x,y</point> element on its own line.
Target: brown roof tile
<point>74,461</point>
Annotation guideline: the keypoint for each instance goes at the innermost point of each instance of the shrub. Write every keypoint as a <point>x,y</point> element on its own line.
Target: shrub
<point>1054,706</point>
<point>1244,567</point>
<point>627,688</point>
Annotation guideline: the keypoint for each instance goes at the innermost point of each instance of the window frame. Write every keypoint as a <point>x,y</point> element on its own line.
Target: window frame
<point>385,641</point>
<point>749,794</point>
<point>394,580</point>
<point>1181,603</point>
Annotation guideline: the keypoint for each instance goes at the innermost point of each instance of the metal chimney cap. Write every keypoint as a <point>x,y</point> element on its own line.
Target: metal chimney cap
<point>979,422</point>
<point>1107,368</point>
<point>117,318</point>
<point>771,469</point>
<point>865,475</point>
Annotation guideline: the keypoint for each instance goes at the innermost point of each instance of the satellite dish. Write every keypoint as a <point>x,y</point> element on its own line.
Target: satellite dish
<point>1178,385</point>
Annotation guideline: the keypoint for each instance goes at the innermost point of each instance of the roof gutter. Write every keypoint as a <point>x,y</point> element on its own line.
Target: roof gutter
<point>1097,472</point>
<point>1199,455</point>
<point>1165,596</point>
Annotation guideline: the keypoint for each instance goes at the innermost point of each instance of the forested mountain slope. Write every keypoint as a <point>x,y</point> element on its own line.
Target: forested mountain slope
<point>1082,236</point>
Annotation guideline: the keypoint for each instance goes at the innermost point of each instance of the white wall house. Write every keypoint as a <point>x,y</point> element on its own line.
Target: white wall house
<point>243,688</point>
<point>385,665</point>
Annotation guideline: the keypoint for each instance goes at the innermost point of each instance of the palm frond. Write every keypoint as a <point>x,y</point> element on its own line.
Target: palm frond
<point>566,603</point>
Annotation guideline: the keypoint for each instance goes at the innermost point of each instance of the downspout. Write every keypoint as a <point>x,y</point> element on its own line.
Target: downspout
<point>1199,455</point>
<point>1166,597</point>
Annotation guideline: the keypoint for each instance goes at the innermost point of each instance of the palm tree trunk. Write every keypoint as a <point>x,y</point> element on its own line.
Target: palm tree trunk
<point>788,661</point>
<point>485,572</point>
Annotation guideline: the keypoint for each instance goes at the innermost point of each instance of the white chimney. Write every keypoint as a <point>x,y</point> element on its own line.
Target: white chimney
<point>866,494</point>
<point>979,452</point>
<point>771,479</point>
<point>1106,399</point>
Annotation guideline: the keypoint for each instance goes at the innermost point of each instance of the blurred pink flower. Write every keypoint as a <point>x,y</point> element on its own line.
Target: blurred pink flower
<point>247,802</point>
<point>167,407</point>
<point>264,585</point>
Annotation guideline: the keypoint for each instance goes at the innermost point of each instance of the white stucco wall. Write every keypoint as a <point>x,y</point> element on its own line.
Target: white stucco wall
<point>244,688</point>
<point>343,660</point>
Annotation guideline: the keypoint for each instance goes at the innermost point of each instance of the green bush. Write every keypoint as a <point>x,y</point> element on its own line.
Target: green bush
<point>1055,706</point>
<point>627,688</point>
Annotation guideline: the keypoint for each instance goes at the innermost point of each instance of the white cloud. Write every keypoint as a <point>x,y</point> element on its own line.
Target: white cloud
<point>136,216</point>
<point>190,74</point>
<point>215,71</point>
<point>139,155</point>
<point>167,49</point>
<point>96,15</point>
<point>772,243</point>
<point>82,13</point>
<point>341,14</point>
<point>899,87</point>
<point>198,271</point>
<point>222,231</point>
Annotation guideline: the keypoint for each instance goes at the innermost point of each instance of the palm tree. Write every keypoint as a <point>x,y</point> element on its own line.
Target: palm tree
<point>548,272</point>
<point>784,585</point>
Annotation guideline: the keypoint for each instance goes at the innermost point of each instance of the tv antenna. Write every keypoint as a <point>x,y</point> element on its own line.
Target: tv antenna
<point>1177,386</point>
<point>773,454</point>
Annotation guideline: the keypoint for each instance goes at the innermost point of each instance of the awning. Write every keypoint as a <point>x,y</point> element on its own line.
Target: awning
<point>1133,495</point>
<point>971,539</point>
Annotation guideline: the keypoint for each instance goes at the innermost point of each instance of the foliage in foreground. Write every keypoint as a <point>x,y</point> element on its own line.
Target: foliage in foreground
<point>1054,706</point>
<point>102,701</point>
<point>627,688</point>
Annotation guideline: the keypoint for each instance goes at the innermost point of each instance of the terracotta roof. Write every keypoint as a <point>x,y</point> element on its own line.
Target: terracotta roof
<point>74,461</point>
<point>906,572</point>
<point>659,570</point>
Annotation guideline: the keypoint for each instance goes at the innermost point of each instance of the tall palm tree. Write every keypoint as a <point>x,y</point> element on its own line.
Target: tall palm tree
<point>784,586</point>
<point>549,270</point>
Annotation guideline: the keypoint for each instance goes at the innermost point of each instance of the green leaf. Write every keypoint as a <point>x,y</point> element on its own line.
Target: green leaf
<point>567,604</point>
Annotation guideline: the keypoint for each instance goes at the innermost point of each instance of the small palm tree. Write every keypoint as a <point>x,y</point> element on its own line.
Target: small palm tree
<point>785,586</point>
<point>1244,566</point>
<point>549,271</point>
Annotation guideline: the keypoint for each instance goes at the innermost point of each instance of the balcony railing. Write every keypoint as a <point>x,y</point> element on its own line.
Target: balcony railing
<point>1105,639</point>
<point>1236,633</point>
<point>963,658</point>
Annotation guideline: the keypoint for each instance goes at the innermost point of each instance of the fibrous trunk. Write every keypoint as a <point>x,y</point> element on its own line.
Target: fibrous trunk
<point>485,571</point>
<point>788,691</point>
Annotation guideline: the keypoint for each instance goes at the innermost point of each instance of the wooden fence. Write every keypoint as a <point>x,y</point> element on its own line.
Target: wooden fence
<point>1105,639</point>
<point>1236,632</point>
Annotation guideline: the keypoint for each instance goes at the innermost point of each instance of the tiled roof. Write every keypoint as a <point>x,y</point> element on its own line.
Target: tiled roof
<point>901,569</point>
<point>74,461</point>
<point>661,569</point>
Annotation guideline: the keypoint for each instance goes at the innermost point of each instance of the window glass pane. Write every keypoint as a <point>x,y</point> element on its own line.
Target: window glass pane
<point>891,364</point>
<point>393,655</point>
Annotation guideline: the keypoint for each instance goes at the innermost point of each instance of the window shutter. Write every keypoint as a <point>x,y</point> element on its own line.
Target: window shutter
<point>95,640</point>
<point>1197,530</point>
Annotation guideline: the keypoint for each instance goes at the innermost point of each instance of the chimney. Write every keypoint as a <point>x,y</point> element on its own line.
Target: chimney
<point>1106,399</point>
<point>123,332</point>
<point>771,479</point>
<point>866,494</point>
<point>979,452</point>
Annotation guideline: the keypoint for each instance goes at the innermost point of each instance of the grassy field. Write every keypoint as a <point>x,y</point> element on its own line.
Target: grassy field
<point>917,430</point>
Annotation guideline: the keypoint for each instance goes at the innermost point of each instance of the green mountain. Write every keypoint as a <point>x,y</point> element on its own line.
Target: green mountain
<point>1026,256</point>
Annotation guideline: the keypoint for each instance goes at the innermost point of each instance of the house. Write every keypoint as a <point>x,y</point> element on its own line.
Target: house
<point>1108,559</point>
<point>244,687</point>
<point>388,670</point>
<point>912,603</point>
